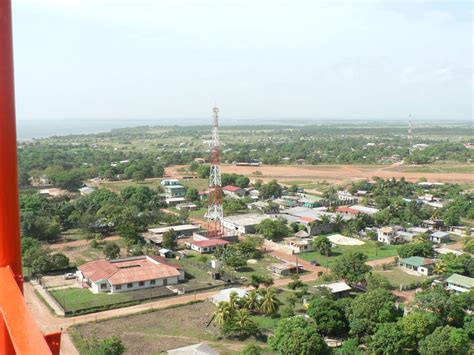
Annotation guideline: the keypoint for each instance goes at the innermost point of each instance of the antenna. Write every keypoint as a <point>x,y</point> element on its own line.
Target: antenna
<point>215,210</point>
<point>410,132</point>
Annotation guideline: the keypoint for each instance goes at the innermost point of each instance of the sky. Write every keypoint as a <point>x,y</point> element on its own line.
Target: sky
<point>255,59</point>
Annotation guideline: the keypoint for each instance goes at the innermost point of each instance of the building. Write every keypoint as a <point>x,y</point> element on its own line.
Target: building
<point>170,182</point>
<point>173,191</point>
<point>285,269</point>
<point>234,191</point>
<point>311,218</point>
<point>460,283</point>
<point>422,266</point>
<point>155,235</point>
<point>344,195</point>
<point>53,192</point>
<point>444,251</point>
<point>366,210</point>
<point>224,295</point>
<point>243,223</point>
<point>128,274</point>
<point>208,245</point>
<point>310,201</point>
<point>439,237</point>
<point>391,235</point>
<point>196,349</point>
<point>258,205</point>
<point>298,245</point>
<point>86,190</point>
<point>338,289</point>
<point>186,207</point>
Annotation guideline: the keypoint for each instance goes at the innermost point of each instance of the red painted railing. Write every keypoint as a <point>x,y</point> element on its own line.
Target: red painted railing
<point>19,333</point>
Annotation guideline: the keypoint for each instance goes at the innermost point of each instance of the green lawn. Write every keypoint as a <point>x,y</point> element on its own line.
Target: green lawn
<point>199,184</point>
<point>369,248</point>
<point>80,299</point>
<point>397,276</point>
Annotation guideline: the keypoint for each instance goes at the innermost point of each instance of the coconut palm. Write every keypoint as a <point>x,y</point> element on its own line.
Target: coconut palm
<point>233,301</point>
<point>269,303</point>
<point>251,301</point>
<point>439,268</point>
<point>223,313</point>
<point>338,222</point>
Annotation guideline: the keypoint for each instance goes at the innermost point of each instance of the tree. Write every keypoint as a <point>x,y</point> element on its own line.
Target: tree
<point>158,171</point>
<point>138,176</point>
<point>58,261</point>
<point>273,229</point>
<point>442,303</point>
<point>297,335</point>
<point>349,347</point>
<point>370,309</point>
<point>107,346</point>
<point>252,349</point>
<point>203,171</point>
<point>251,301</point>
<point>388,339</point>
<point>170,239</point>
<point>192,194</point>
<point>223,313</point>
<point>416,249</point>
<point>272,189</point>
<point>322,245</point>
<point>416,326</point>
<point>111,250</point>
<point>256,280</point>
<point>375,280</point>
<point>329,316</point>
<point>269,303</point>
<point>351,267</point>
<point>242,181</point>
<point>445,341</point>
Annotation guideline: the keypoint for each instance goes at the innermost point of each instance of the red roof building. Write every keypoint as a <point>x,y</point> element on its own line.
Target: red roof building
<point>234,191</point>
<point>129,274</point>
<point>208,245</point>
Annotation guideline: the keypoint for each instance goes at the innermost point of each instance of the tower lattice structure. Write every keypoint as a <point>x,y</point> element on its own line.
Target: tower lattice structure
<point>215,210</point>
<point>410,132</point>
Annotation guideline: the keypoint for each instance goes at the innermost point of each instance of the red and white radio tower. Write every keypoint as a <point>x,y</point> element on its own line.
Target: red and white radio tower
<point>410,132</point>
<point>215,211</point>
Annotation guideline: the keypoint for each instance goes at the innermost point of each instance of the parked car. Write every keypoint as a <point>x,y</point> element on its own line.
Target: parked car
<point>314,263</point>
<point>70,276</point>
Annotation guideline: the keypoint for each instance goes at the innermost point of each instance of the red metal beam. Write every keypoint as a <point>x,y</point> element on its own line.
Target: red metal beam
<point>19,334</point>
<point>25,335</point>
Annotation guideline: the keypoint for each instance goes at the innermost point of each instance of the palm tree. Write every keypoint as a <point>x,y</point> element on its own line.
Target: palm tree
<point>338,221</point>
<point>439,268</point>
<point>270,303</point>
<point>233,300</point>
<point>223,313</point>
<point>242,318</point>
<point>251,301</point>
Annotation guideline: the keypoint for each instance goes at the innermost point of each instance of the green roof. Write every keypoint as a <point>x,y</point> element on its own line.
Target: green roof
<point>461,280</point>
<point>417,261</point>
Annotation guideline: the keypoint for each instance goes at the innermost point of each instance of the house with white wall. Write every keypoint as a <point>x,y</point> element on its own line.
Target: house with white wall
<point>128,274</point>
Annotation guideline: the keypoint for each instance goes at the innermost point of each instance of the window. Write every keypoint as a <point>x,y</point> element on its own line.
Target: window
<point>130,285</point>
<point>103,286</point>
<point>118,287</point>
<point>141,283</point>
<point>152,282</point>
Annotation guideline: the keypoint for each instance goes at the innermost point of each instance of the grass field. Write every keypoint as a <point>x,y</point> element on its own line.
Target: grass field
<point>369,248</point>
<point>79,299</point>
<point>397,276</point>
<point>154,333</point>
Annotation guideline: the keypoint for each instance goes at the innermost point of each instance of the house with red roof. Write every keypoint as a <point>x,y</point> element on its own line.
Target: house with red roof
<point>127,274</point>
<point>208,245</point>
<point>234,191</point>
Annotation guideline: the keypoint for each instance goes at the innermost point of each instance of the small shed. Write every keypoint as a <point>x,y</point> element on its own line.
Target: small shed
<point>285,269</point>
<point>439,237</point>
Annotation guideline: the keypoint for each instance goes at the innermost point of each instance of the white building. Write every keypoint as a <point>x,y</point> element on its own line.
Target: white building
<point>460,283</point>
<point>128,274</point>
<point>243,223</point>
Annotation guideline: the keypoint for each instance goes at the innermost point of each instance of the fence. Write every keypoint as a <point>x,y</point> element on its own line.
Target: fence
<point>76,301</point>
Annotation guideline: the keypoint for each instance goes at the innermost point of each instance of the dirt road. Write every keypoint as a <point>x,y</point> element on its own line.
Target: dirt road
<point>334,173</point>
